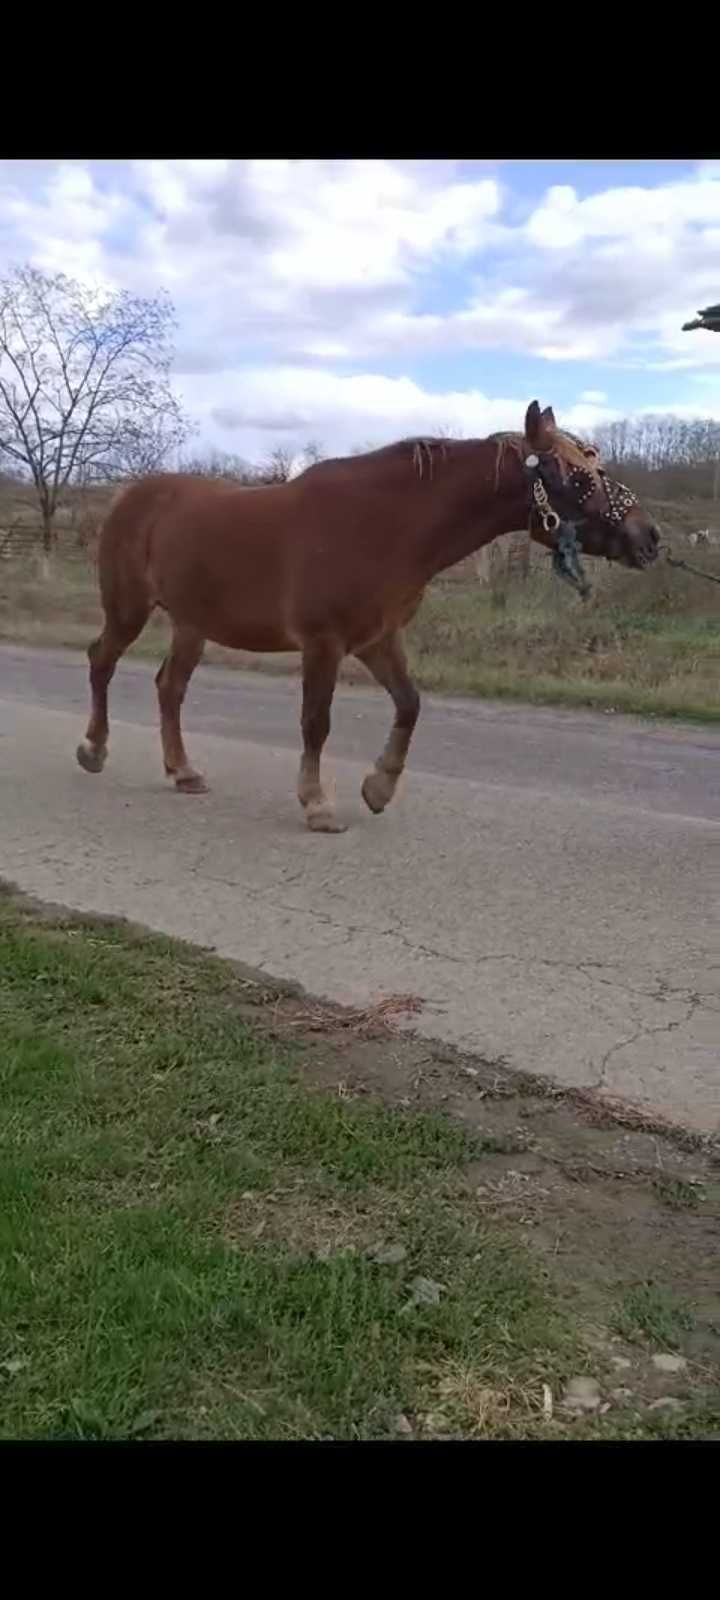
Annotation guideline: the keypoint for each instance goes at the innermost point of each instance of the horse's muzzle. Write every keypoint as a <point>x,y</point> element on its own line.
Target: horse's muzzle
<point>644,548</point>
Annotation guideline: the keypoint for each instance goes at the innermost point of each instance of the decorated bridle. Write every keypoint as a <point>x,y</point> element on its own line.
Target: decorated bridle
<point>567,532</point>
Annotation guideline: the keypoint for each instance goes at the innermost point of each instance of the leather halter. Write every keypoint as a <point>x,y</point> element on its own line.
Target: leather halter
<point>567,532</point>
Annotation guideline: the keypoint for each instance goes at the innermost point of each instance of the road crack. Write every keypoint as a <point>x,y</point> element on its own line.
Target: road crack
<point>644,1032</point>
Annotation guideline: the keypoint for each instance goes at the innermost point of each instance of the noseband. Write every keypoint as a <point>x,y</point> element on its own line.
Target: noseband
<point>565,531</point>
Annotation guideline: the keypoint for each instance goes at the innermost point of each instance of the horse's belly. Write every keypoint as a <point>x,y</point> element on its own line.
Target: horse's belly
<point>241,610</point>
<point>249,636</point>
<point>234,626</point>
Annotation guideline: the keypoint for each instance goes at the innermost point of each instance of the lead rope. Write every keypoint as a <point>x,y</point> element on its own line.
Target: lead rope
<point>685,566</point>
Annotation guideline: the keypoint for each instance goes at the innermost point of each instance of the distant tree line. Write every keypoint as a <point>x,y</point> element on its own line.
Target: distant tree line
<point>667,457</point>
<point>277,468</point>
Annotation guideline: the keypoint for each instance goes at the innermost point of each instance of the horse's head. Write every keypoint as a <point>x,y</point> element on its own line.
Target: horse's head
<point>607,518</point>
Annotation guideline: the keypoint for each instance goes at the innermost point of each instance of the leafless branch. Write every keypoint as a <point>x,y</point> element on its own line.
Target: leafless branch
<point>85,389</point>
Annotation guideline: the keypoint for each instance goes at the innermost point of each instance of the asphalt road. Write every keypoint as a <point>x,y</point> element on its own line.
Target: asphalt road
<point>548,883</point>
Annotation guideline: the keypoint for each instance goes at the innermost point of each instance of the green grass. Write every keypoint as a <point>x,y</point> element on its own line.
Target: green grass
<point>188,1227</point>
<point>184,1225</point>
<point>678,1195</point>
<point>651,1311</point>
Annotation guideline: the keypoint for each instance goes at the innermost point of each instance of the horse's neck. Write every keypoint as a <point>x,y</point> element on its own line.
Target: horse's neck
<point>473,505</point>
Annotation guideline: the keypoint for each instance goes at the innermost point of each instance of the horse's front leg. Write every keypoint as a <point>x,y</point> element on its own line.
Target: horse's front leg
<point>321,659</point>
<point>386,661</point>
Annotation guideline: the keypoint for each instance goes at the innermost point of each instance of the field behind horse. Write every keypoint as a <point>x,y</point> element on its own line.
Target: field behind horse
<point>227,1211</point>
<point>647,643</point>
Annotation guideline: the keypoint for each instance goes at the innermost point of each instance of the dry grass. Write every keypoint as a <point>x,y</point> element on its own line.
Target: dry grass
<point>644,643</point>
<point>381,1016</point>
<point>474,1402</point>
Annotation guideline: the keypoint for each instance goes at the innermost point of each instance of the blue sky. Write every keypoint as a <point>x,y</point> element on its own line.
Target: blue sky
<point>354,302</point>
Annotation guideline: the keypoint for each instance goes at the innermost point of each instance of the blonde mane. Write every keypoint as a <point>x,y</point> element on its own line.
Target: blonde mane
<point>570,451</point>
<point>427,453</point>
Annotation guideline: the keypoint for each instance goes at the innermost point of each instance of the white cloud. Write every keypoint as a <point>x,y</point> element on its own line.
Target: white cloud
<point>248,412</point>
<point>282,269</point>
<point>622,213</point>
<point>299,256</point>
<point>631,263</point>
<point>65,230</point>
<point>517,319</point>
<point>327,260</point>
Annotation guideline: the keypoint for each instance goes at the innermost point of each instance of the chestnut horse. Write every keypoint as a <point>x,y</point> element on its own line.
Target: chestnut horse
<point>333,563</point>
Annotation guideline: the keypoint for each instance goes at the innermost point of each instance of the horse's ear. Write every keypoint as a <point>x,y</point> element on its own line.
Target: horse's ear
<point>532,421</point>
<point>539,427</point>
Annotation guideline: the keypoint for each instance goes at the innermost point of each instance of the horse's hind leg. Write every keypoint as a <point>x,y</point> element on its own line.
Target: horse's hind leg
<point>321,660</point>
<point>172,681</point>
<point>386,661</point>
<point>103,655</point>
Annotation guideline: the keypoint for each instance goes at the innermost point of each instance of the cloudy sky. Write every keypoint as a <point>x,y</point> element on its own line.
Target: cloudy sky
<point>355,302</point>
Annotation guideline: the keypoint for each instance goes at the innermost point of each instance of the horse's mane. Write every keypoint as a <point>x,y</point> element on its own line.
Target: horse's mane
<point>427,453</point>
<point>567,445</point>
<point>423,453</point>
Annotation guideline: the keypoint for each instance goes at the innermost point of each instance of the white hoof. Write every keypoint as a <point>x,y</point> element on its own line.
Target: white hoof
<point>322,818</point>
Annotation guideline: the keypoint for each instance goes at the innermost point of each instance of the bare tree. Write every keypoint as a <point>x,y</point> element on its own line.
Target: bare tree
<point>220,464</point>
<point>665,456</point>
<point>279,466</point>
<point>84,385</point>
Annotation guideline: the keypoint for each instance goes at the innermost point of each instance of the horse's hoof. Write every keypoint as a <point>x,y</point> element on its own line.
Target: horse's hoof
<point>377,791</point>
<point>90,759</point>
<point>192,783</point>
<point>324,820</point>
